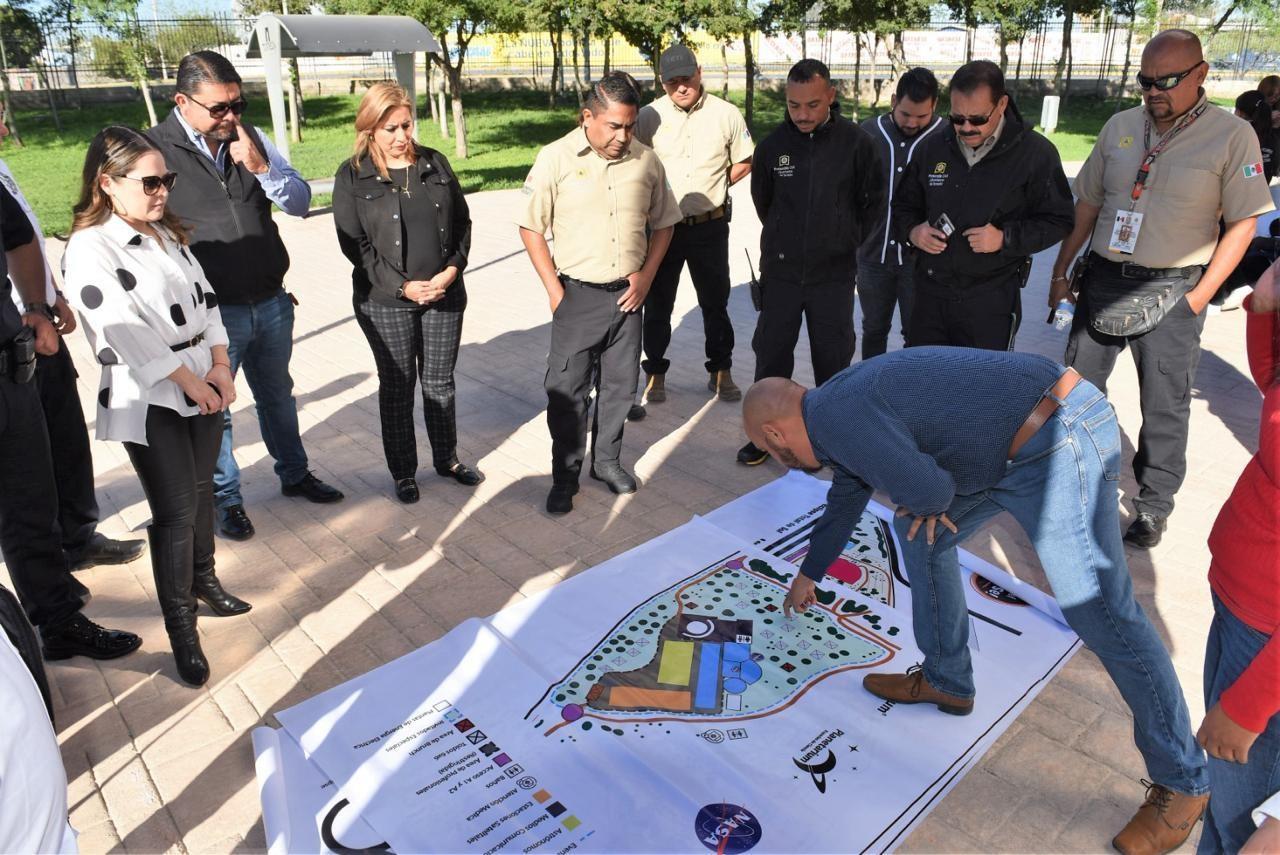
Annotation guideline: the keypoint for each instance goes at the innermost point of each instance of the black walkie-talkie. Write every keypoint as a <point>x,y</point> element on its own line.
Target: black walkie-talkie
<point>757,294</point>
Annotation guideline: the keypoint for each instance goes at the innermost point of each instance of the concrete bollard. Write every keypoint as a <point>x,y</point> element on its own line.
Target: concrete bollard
<point>1049,114</point>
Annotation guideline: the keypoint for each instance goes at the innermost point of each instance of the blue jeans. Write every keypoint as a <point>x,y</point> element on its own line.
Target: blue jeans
<point>261,337</point>
<point>1237,789</point>
<point>1062,490</point>
<point>880,286</point>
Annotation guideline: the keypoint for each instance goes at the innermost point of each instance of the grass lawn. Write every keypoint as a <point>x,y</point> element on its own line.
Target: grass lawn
<point>506,129</point>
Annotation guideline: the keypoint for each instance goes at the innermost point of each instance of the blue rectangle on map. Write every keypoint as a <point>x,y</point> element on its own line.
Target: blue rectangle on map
<point>708,676</point>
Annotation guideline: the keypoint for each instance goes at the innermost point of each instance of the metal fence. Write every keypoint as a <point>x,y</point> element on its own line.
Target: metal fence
<point>77,56</point>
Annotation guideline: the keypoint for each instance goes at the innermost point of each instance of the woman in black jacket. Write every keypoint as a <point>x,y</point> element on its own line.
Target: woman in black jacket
<point>404,225</point>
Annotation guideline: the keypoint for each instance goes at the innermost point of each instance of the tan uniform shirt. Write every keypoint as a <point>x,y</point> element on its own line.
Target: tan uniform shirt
<point>697,147</point>
<point>1209,171</point>
<point>973,154</point>
<point>597,209</point>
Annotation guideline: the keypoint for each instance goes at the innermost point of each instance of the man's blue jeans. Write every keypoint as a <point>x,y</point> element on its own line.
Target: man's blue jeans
<point>880,287</point>
<point>1062,490</point>
<point>1237,789</point>
<point>261,337</point>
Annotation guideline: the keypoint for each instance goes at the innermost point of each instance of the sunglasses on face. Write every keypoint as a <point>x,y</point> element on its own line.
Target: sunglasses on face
<point>151,184</point>
<point>1167,82</point>
<point>220,109</point>
<point>976,121</point>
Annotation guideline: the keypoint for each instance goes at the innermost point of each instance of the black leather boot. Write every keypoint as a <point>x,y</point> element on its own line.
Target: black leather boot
<point>207,588</point>
<point>171,562</point>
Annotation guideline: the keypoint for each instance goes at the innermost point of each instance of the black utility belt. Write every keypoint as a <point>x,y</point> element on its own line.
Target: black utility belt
<point>1129,270</point>
<point>178,348</point>
<point>18,357</point>
<point>698,219</point>
<point>615,285</point>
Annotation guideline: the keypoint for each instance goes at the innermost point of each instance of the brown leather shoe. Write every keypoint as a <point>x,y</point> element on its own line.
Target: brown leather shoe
<point>913,688</point>
<point>721,382</point>
<point>1162,824</point>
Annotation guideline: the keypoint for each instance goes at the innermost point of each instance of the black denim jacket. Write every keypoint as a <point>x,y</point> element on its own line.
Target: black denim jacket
<point>366,211</point>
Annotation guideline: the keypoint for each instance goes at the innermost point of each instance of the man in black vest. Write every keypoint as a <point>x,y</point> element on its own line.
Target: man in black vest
<point>229,176</point>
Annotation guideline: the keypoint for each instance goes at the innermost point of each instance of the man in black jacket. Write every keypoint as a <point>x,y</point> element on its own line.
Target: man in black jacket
<point>229,177</point>
<point>978,200</point>
<point>815,184</point>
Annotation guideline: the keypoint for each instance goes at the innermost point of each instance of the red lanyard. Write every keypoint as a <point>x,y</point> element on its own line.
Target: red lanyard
<point>1144,170</point>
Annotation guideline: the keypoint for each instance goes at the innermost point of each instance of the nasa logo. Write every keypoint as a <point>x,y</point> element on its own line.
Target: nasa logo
<point>728,829</point>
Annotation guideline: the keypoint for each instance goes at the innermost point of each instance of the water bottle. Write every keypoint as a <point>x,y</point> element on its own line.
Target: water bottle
<point>1064,314</point>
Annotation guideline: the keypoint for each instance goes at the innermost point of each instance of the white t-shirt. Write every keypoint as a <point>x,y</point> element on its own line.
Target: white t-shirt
<point>1268,809</point>
<point>50,291</point>
<point>33,783</point>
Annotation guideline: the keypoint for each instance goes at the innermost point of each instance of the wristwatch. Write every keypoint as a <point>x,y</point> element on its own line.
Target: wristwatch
<point>40,308</point>
<point>400,292</point>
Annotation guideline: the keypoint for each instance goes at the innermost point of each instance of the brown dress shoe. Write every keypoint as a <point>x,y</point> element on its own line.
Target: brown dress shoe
<point>913,688</point>
<point>1162,824</point>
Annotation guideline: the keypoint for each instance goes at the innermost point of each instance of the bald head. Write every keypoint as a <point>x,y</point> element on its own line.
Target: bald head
<point>773,417</point>
<point>1178,46</point>
<point>1173,59</point>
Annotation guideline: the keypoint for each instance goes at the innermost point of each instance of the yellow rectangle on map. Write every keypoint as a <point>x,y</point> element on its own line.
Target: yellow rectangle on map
<point>677,662</point>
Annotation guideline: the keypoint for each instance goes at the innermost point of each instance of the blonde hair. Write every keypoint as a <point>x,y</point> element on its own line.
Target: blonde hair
<point>113,152</point>
<point>382,98</point>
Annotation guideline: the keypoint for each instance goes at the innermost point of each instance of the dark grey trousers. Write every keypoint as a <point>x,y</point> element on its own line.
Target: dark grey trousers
<point>1166,358</point>
<point>588,327</point>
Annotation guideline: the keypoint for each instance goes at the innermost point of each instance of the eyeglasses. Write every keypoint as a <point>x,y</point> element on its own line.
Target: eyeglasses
<point>151,184</point>
<point>976,121</point>
<point>220,109</point>
<point>1167,82</point>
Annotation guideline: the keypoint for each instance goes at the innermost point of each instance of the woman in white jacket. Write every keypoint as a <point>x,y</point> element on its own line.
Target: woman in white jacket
<point>154,324</point>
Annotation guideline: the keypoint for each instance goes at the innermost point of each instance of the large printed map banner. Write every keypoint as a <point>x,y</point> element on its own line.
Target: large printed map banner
<point>662,702</point>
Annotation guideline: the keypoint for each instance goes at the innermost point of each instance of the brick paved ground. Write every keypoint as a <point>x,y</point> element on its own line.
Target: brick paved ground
<point>337,590</point>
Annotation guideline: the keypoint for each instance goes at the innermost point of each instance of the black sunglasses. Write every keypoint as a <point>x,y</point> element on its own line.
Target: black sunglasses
<point>151,184</point>
<point>220,109</point>
<point>976,121</point>
<point>1164,84</point>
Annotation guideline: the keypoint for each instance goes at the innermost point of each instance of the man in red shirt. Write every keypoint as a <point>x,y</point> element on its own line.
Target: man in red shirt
<point>1241,731</point>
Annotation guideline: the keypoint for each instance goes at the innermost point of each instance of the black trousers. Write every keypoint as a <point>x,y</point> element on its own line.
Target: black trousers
<point>986,316</point>
<point>1166,359</point>
<point>827,311</point>
<point>705,248</point>
<point>588,327</point>
<point>29,537</point>
<point>410,345</point>
<point>72,458</point>
<point>176,470</point>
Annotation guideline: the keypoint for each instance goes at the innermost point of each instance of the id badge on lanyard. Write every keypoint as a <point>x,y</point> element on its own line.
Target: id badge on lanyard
<point>1128,224</point>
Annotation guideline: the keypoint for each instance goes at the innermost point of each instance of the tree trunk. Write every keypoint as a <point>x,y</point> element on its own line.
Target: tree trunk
<point>146,97</point>
<point>724,65</point>
<point>857,75</point>
<point>8,104</point>
<point>750,63</point>
<point>1068,13</point>
<point>1157,12</point>
<point>586,56</point>
<point>557,56</point>
<point>295,76</point>
<point>608,53</point>
<point>1017,71</point>
<point>577,76</point>
<point>898,55</point>
<point>1128,60</point>
<point>48,91</point>
<point>1004,53</point>
<point>431,94</point>
<point>459,119</point>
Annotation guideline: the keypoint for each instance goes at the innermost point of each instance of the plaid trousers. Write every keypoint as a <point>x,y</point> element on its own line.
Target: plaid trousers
<point>414,343</point>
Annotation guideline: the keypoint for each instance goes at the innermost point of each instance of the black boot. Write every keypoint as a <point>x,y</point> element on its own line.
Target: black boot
<point>171,562</point>
<point>206,587</point>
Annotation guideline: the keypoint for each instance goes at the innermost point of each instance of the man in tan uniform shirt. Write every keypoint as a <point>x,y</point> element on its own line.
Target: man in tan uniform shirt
<point>1161,248</point>
<point>596,191</point>
<point>705,147</point>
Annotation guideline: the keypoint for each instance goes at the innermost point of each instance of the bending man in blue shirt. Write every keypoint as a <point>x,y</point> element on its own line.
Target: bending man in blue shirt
<point>955,436</point>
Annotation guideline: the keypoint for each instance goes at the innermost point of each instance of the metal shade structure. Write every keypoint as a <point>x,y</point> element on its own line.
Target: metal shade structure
<point>278,37</point>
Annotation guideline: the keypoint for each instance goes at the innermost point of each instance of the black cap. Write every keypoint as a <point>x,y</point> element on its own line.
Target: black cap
<point>677,61</point>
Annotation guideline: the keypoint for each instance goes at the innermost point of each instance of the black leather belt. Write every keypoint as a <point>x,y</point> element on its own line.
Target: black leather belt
<point>697,219</point>
<point>615,285</point>
<point>177,348</point>
<point>1129,270</point>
